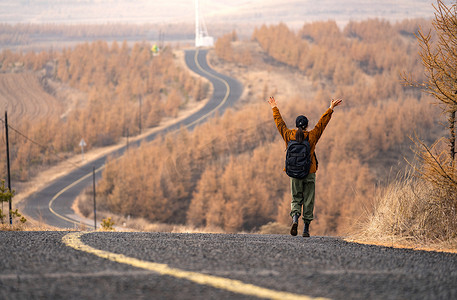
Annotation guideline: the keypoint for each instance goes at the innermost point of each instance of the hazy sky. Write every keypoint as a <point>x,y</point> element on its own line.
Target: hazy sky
<point>254,11</point>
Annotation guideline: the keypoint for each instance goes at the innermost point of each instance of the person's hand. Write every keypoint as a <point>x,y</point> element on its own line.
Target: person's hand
<point>272,102</point>
<point>335,103</point>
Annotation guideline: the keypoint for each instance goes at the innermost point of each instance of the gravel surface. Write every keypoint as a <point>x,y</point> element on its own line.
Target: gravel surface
<point>36,265</point>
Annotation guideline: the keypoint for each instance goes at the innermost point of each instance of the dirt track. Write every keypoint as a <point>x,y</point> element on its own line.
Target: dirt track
<point>23,96</point>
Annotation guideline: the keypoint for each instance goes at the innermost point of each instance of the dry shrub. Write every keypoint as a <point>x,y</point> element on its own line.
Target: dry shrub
<point>419,208</point>
<point>396,212</point>
<point>437,166</point>
<point>439,171</point>
<point>84,203</point>
<point>107,224</point>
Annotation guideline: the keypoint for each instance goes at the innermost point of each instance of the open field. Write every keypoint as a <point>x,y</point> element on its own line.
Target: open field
<point>23,96</point>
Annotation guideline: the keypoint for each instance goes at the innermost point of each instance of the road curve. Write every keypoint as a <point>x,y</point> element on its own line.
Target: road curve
<point>52,204</point>
<point>65,265</point>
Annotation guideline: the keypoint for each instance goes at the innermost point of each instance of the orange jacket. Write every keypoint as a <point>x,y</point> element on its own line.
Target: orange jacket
<point>313,135</point>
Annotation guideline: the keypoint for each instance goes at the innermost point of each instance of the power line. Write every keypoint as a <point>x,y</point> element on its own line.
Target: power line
<point>38,144</point>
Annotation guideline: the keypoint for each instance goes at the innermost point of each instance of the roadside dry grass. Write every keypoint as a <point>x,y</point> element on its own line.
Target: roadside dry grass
<point>448,246</point>
<point>83,206</point>
<point>34,226</point>
<point>274,228</point>
<point>409,214</point>
<point>15,227</point>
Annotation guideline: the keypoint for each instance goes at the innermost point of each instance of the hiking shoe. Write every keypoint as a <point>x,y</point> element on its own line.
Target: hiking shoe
<point>293,229</point>
<point>306,230</point>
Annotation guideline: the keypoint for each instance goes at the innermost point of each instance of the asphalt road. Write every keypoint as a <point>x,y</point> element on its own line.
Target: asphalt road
<point>39,265</point>
<point>52,204</point>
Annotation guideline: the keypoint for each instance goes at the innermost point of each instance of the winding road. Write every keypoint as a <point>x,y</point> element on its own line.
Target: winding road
<point>52,204</point>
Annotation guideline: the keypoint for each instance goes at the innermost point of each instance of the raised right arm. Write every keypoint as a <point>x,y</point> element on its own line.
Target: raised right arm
<point>285,132</point>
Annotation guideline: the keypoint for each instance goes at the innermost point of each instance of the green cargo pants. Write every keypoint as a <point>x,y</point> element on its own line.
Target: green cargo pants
<point>303,195</point>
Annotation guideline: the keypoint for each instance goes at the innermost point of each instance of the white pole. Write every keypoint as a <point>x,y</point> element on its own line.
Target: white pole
<point>82,144</point>
<point>197,26</point>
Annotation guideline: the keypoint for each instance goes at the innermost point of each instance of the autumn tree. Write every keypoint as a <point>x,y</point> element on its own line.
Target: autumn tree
<point>439,59</point>
<point>223,47</point>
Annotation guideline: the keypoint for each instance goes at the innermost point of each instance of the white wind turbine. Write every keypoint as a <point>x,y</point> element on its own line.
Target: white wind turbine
<point>202,39</point>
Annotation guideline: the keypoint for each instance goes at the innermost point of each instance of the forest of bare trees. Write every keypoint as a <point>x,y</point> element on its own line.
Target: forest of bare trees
<point>230,175</point>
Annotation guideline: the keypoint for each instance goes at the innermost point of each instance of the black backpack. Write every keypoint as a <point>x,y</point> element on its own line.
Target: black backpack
<point>298,158</point>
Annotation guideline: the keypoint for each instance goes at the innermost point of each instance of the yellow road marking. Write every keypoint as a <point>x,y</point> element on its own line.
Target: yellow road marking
<point>63,191</point>
<point>227,93</point>
<point>73,240</point>
<point>102,167</point>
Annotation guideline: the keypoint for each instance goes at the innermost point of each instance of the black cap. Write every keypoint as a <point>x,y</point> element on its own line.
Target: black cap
<point>302,122</point>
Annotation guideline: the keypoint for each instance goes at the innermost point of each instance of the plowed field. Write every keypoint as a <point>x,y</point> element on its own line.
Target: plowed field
<point>23,96</point>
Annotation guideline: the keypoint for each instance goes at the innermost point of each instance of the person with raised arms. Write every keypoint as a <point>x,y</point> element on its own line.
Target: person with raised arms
<point>301,162</point>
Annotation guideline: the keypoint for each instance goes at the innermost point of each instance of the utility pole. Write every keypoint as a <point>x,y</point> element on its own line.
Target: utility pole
<point>127,140</point>
<point>95,207</point>
<point>139,113</point>
<point>8,165</point>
